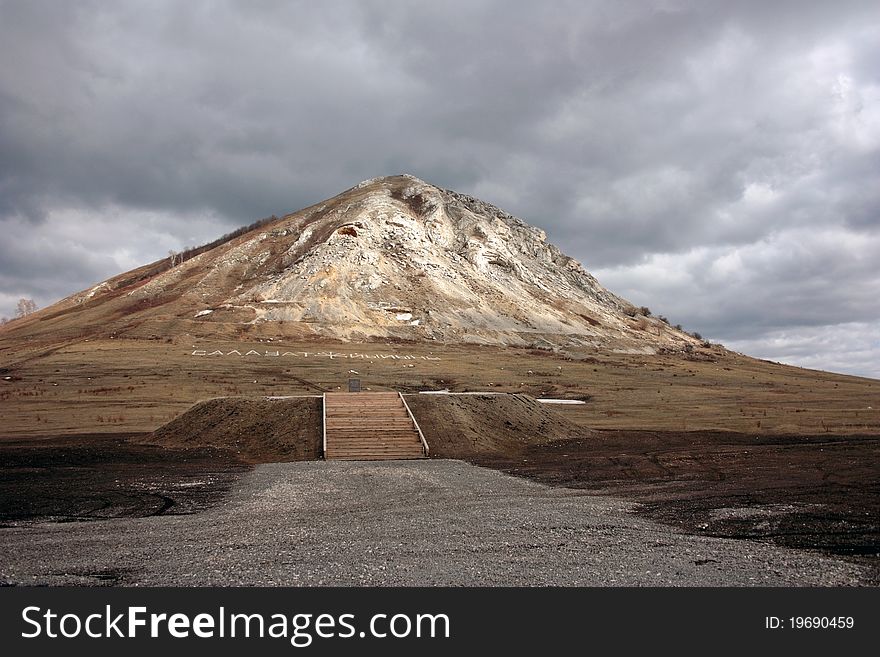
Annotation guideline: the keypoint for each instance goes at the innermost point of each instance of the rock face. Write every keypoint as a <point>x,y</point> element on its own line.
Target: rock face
<point>393,257</point>
<point>396,256</point>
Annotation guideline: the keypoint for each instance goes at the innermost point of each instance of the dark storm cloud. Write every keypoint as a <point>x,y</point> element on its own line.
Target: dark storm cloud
<point>717,161</point>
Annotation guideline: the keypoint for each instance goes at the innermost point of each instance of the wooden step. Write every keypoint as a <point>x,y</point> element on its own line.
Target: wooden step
<point>376,435</point>
<point>366,455</point>
<point>371,444</point>
<point>344,428</point>
<point>411,450</point>
<point>375,449</point>
<point>374,442</point>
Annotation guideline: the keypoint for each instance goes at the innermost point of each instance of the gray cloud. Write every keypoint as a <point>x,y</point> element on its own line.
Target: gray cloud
<point>715,161</point>
<point>849,347</point>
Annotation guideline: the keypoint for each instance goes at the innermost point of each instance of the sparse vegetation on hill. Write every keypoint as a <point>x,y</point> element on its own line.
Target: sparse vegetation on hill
<point>25,307</point>
<point>189,252</point>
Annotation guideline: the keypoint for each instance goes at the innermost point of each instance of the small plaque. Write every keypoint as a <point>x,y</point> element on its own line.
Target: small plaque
<point>354,385</point>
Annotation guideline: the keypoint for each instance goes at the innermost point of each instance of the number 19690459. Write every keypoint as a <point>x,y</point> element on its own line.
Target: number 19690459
<point>810,623</point>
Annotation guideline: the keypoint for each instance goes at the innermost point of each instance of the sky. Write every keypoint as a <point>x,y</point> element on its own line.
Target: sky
<point>718,162</point>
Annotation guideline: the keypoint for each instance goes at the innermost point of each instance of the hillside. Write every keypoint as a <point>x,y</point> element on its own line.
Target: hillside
<point>393,258</point>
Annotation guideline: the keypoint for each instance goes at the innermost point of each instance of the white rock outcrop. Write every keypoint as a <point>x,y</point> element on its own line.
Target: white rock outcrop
<point>398,257</point>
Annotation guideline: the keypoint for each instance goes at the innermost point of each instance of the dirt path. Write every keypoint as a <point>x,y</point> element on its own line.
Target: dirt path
<point>437,522</point>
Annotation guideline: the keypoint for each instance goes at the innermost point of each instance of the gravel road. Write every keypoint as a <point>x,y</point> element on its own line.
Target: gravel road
<point>438,522</point>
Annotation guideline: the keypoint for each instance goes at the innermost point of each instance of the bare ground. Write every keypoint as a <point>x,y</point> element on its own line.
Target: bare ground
<point>99,476</point>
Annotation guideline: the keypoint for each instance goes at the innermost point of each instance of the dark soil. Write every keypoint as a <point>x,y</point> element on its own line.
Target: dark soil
<point>95,476</point>
<point>256,430</point>
<point>806,492</point>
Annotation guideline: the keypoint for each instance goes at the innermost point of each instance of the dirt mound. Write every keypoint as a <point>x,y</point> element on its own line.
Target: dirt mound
<point>465,426</point>
<point>455,426</point>
<point>258,430</point>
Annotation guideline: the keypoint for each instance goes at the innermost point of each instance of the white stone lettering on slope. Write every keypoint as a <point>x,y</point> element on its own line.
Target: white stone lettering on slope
<point>306,354</point>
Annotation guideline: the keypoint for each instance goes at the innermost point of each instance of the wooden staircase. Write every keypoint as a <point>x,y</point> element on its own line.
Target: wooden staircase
<point>370,426</point>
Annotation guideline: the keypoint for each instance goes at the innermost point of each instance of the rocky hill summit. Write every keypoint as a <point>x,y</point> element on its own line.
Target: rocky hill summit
<point>392,257</point>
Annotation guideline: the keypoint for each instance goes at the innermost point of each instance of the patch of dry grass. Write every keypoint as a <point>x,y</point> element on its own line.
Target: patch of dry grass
<point>137,385</point>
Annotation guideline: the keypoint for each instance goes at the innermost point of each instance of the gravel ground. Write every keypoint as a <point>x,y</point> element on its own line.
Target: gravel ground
<point>439,522</point>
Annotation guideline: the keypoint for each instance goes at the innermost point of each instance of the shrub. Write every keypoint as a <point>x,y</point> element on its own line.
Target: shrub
<point>25,307</point>
<point>189,252</point>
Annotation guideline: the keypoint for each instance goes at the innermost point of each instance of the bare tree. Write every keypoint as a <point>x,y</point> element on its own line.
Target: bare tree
<point>4,320</point>
<point>175,257</point>
<point>25,307</point>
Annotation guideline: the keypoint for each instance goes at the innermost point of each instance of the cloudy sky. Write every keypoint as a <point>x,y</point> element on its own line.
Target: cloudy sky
<point>716,161</point>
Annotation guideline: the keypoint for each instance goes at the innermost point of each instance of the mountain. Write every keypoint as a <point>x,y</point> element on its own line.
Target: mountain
<point>391,258</point>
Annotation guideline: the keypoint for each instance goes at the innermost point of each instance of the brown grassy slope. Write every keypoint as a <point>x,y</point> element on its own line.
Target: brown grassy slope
<point>127,385</point>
